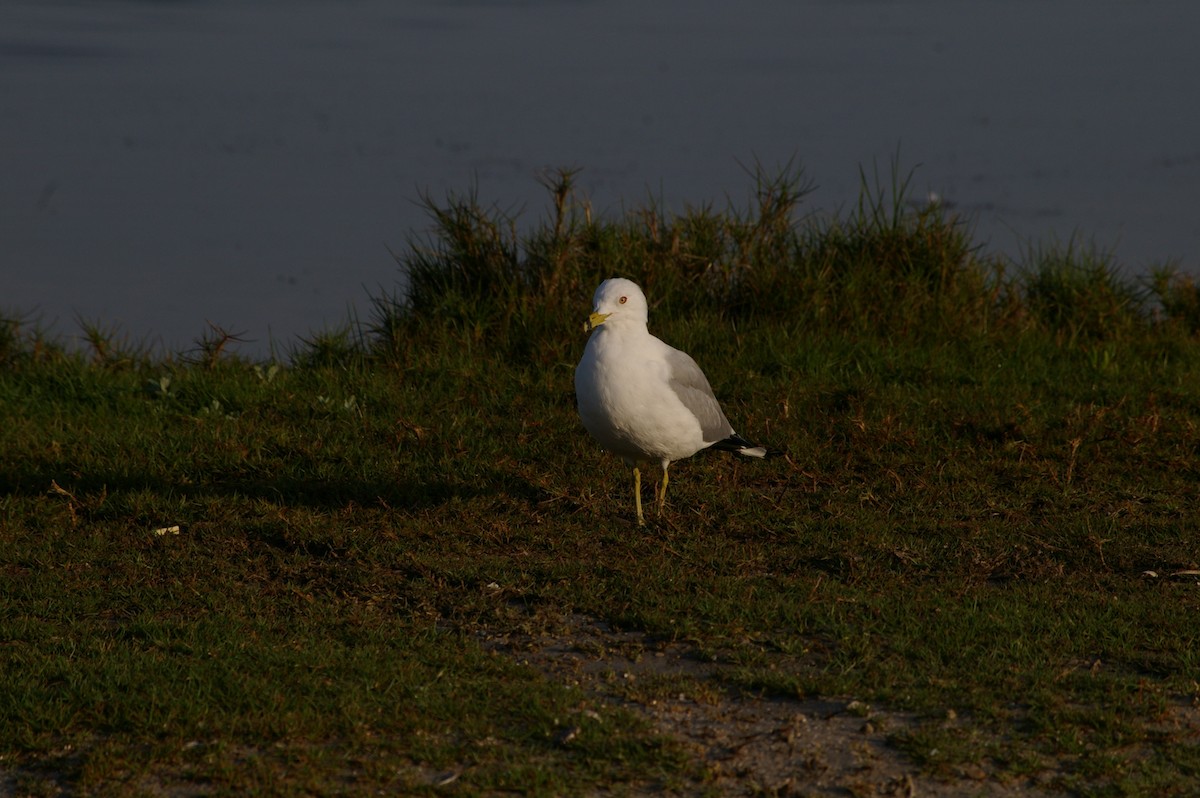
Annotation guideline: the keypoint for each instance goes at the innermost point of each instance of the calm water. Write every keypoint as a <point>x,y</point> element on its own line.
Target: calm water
<point>249,162</point>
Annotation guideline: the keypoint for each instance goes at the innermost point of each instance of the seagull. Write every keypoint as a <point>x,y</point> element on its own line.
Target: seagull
<point>643,400</point>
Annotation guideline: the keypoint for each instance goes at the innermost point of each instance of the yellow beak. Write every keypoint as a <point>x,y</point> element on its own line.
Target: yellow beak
<point>594,321</point>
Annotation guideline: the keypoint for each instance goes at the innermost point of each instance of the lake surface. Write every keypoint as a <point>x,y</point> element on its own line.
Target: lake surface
<point>250,162</point>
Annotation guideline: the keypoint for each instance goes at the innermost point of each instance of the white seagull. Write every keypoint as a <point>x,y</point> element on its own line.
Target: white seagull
<point>641,399</point>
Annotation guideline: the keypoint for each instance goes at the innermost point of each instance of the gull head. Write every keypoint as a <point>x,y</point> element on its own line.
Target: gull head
<point>617,300</point>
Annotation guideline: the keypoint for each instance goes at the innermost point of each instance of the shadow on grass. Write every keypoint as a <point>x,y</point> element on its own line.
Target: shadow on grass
<point>95,492</point>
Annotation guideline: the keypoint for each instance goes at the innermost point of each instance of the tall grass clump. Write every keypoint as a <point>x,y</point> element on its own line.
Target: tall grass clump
<point>112,347</point>
<point>22,341</point>
<point>475,274</point>
<point>1178,298</point>
<point>471,263</point>
<point>884,269</point>
<point>889,269</point>
<point>1078,294</point>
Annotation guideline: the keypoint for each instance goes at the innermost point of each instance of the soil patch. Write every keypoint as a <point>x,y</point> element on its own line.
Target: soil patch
<point>749,744</point>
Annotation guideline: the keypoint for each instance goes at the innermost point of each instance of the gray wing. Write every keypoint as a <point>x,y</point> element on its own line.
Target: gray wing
<point>691,386</point>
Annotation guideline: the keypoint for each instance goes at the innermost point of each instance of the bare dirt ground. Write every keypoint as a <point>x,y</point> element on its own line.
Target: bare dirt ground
<point>748,744</point>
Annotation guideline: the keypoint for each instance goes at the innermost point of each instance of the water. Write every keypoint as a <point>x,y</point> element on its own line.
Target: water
<point>249,162</point>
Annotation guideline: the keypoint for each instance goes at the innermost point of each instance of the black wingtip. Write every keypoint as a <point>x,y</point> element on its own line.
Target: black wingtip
<point>738,445</point>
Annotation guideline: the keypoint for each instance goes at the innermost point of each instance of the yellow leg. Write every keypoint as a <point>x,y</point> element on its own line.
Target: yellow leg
<point>662,497</point>
<point>637,494</point>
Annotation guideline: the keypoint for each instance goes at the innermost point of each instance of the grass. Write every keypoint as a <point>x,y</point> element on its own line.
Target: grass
<point>987,462</point>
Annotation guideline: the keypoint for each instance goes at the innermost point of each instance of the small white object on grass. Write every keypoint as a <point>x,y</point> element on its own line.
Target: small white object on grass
<point>641,399</point>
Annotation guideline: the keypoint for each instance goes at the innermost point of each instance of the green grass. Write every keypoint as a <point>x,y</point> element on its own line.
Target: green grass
<point>985,459</point>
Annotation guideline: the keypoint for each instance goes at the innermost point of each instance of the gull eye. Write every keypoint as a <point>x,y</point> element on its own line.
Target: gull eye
<point>623,300</point>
